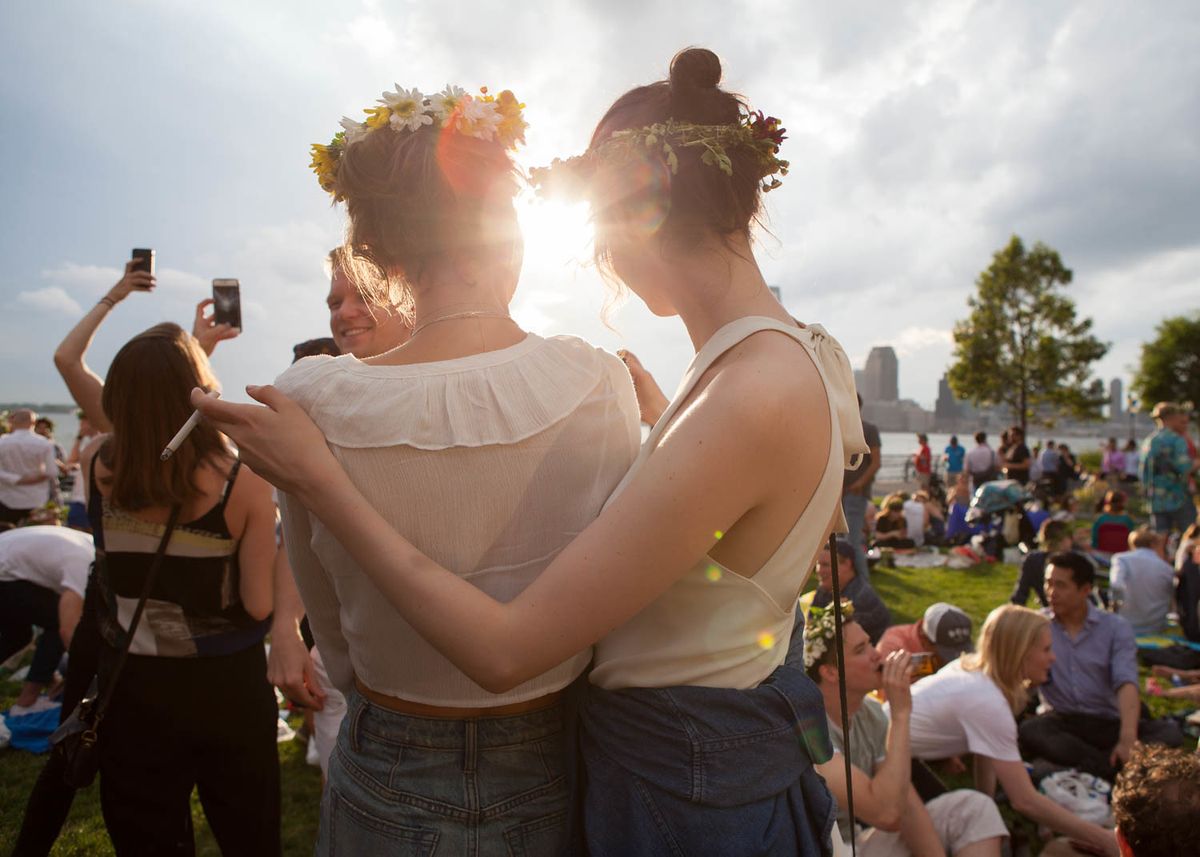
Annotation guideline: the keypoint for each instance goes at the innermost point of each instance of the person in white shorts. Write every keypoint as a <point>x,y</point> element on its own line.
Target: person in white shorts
<point>892,821</point>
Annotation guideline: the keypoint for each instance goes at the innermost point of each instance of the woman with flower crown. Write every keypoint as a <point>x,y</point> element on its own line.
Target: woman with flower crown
<point>697,736</point>
<point>489,447</point>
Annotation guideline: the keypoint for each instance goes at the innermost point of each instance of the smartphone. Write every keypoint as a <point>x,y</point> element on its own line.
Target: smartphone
<point>227,303</point>
<point>144,257</point>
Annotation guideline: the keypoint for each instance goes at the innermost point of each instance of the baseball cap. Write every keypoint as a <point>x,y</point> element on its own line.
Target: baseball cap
<point>950,630</point>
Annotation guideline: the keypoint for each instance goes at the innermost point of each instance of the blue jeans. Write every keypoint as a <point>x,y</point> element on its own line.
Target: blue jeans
<point>855,508</point>
<point>695,770</point>
<point>420,786</point>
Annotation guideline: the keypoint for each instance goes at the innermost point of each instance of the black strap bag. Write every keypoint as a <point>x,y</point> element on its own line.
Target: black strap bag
<point>75,739</point>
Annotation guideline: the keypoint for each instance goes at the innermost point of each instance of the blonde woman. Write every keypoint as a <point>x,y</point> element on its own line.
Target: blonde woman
<point>970,706</point>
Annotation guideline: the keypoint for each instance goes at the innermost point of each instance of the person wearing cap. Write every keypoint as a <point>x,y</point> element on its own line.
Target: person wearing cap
<point>944,632</point>
<point>872,614</point>
<point>1166,465</point>
<point>889,816</point>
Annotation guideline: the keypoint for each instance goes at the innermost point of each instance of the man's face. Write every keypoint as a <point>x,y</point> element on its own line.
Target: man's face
<point>43,429</point>
<point>1064,595</point>
<point>356,328</point>
<point>825,570</point>
<point>863,662</point>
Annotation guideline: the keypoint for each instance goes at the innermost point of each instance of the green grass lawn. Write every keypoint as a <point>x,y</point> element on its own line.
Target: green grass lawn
<point>906,591</point>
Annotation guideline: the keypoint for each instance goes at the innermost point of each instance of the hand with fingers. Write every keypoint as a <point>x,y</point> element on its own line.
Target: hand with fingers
<point>132,281</point>
<point>279,442</point>
<point>650,397</point>
<point>896,682</point>
<point>290,668</point>
<point>206,330</point>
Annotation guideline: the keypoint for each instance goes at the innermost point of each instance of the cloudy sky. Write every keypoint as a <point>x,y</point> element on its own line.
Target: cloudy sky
<point>922,135</point>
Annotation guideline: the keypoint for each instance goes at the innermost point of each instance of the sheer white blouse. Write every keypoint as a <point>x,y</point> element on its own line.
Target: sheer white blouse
<point>488,464</point>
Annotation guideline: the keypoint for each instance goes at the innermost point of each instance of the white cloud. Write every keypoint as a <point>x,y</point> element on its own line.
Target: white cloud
<point>50,299</point>
<point>913,339</point>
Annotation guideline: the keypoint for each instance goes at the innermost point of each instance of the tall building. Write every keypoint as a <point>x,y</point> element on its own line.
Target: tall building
<point>1116,399</point>
<point>881,375</point>
<point>946,410</point>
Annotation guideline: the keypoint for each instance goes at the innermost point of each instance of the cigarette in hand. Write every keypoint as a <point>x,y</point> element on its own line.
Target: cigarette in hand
<point>185,430</point>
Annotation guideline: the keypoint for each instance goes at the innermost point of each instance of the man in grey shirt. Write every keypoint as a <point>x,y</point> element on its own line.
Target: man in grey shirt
<point>891,819</point>
<point>1143,582</point>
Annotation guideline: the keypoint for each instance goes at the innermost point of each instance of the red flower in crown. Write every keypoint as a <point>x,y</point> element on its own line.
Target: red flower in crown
<point>766,128</point>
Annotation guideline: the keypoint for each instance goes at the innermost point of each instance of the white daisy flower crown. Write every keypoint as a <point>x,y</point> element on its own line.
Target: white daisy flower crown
<point>405,111</point>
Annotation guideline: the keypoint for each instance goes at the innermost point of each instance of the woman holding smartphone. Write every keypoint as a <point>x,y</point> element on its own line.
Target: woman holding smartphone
<point>687,582</point>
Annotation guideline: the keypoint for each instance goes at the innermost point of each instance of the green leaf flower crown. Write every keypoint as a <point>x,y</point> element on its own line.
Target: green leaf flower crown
<point>820,630</point>
<point>760,134</point>
<point>404,111</point>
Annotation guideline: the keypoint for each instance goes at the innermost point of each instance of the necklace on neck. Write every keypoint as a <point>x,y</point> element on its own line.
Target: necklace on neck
<point>474,313</point>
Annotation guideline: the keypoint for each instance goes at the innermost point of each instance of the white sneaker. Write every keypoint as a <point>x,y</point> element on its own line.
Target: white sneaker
<point>311,756</point>
<point>39,704</point>
<point>284,732</point>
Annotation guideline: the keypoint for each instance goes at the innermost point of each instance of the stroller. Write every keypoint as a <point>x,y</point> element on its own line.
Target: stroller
<point>1000,509</point>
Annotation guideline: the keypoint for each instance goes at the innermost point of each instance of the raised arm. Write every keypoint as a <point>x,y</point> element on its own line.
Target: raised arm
<point>85,385</point>
<point>719,462</point>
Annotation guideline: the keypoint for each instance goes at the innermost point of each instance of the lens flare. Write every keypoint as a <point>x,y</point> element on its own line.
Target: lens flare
<point>712,573</point>
<point>766,640</point>
<point>718,534</point>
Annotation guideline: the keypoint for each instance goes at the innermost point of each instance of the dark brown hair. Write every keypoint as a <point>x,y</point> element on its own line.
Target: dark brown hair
<point>699,199</point>
<point>145,398</point>
<point>417,196</point>
<point>1155,801</point>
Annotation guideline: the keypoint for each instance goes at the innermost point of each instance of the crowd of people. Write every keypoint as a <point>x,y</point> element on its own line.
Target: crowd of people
<point>519,627</point>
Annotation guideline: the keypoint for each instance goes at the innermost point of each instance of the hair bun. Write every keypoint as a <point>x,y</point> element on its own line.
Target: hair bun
<point>695,68</point>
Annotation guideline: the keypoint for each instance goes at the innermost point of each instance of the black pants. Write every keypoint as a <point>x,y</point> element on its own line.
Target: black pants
<point>179,723</point>
<point>50,800</point>
<point>12,516</point>
<point>1086,742</point>
<point>23,605</point>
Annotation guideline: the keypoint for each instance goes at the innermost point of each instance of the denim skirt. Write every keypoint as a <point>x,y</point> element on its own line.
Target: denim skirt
<point>408,785</point>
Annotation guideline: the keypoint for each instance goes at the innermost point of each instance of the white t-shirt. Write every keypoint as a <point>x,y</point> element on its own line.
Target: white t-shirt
<point>959,711</point>
<point>53,557</point>
<point>914,519</point>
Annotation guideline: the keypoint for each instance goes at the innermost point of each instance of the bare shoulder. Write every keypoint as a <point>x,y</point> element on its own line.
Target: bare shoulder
<point>768,381</point>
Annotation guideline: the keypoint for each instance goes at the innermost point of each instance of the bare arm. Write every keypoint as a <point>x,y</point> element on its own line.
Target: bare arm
<point>289,665</point>
<point>917,830</point>
<point>880,800</point>
<point>257,549</point>
<point>85,385</point>
<point>70,608</point>
<point>1129,705</point>
<point>715,465</point>
<point>1026,800</point>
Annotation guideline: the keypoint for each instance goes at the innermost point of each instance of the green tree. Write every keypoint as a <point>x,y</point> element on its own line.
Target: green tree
<point>1022,345</point>
<point>1169,370</point>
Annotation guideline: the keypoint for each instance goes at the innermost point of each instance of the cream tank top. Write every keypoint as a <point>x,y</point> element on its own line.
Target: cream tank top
<point>714,627</point>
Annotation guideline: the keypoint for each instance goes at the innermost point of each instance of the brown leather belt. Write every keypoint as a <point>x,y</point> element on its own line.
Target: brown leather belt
<point>447,712</point>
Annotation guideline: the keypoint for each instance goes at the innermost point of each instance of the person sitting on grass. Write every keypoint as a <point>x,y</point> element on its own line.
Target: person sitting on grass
<point>962,822</point>
<point>891,527</point>
<point>1113,525</point>
<point>1143,582</point>
<point>872,614</point>
<point>971,707</point>
<point>944,633</point>
<point>1092,713</point>
<point>1053,537</point>
<point>1154,802</point>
